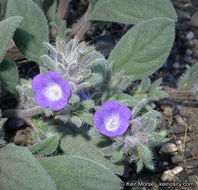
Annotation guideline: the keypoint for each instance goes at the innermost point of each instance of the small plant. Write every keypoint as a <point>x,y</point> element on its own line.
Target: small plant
<point>189,80</point>
<point>87,116</point>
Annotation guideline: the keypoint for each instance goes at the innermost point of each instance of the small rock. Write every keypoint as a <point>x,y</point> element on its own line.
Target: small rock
<point>181,121</point>
<point>176,65</point>
<point>176,159</point>
<point>177,129</point>
<point>24,137</point>
<point>167,111</point>
<point>167,176</point>
<point>190,35</point>
<point>165,163</point>
<point>189,52</point>
<point>168,148</point>
<point>177,170</point>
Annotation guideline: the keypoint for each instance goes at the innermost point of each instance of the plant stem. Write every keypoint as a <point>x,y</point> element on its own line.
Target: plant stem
<point>22,113</point>
<point>62,8</point>
<point>83,24</point>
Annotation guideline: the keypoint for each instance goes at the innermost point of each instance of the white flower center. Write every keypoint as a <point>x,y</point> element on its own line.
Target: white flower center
<point>112,123</point>
<point>53,92</point>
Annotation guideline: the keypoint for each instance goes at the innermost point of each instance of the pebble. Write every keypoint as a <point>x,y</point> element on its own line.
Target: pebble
<point>176,159</point>
<point>177,129</point>
<point>181,121</point>
<point>168,148</point>
<point>169,175</point>
<point>24,137</point>
<point>190,35</point>
<point>167,111</point>
<point>176,65</point>
<point>177,170</point>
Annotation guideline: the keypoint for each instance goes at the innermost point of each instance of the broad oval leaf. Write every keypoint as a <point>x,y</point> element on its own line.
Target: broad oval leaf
<point>46,147</point>
<point>20,170</point>
<point>7,29</point>
<point>132,11</point>
<point>79,173</point>
<point>144,48</point>
<point>32,31</point>
<point>75,141</point>
<point>9,75</point>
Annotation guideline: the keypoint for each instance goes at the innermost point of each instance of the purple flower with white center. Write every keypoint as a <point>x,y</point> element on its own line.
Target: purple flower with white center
<point>51,90</point>
<point>112,119</point>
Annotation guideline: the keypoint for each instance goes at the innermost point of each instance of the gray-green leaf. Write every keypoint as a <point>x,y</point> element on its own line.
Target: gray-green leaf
<point>75,141</point>
<point>32,31</point>
<point>79,173</point>
<point>132,11</point>
<point>9,75</point>
<point>20,170</point>
<point>143,49</point>
<point>46,147</point>
<point>7,29</point>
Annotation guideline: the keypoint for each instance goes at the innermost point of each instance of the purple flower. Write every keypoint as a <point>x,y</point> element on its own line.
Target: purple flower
<point>51,90</point>
<point>112,119</point>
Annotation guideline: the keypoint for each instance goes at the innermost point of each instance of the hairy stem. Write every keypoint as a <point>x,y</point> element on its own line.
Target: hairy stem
<point>62,8</point>
<point>83,24</point>
<point>22,113</point>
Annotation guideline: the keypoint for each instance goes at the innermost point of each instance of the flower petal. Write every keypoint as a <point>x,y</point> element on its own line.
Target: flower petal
<point>58,105</point>
<point>110,106</point>
<point>39,82</point>
<point>53,77</point>
<point>124,112</point>
<point>65,89</point>
<point>99,119</point>
<point>41,100</point>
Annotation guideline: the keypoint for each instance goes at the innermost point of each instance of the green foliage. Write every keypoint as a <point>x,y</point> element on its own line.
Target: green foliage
<point>137,142</point>
<point>79,173</point>
<point>21,170</point>
<point>32,31</point>
<point>75,141</point>
<point>3,4</point>
<point>7,29</point>
<point>46,147</point>
<point>2,134</point>
<point>9,75</point>
<point>141,52</point>
<point>189,78</point>
<point>132,11</point>
<point>49,7</point>
<point>149,91</point>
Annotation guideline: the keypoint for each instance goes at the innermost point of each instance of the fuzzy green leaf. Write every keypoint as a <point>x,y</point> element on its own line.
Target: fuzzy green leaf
<point>8,68</point>
<point>132,11</point>
<point>86,118</point>
<point>76,121</point>
<point>155,84</point>
<point>93,80</point>
<point>79,173</point>
<point>48,62</point>
<point>141,52</point>
<point>46,147</point>
<point>145,84</point>
<point>117,157</point>
<point>147,157</point>
<point>20,170</point>
<point>155,95</point>
<point>108,151</point>
<point>7,29</point>
<point>74,98</point>
<point>85,105</point>
<point>75,141</point>
<point>32,31</point>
